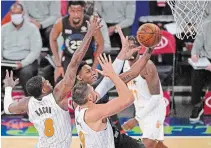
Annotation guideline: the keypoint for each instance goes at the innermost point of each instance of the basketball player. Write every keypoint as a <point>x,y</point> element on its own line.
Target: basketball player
<point>92,125</point>
<point>86,74</point>
<point>149,103</point>
<point>47,107</point>
<point>73,28</point>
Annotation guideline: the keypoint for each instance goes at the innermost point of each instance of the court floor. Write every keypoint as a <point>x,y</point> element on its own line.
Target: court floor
<point>171,142</point>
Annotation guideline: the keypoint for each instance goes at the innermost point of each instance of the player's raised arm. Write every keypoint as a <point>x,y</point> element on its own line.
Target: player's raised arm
<point>64,86</point>
<point>116,105</point>
<point>11,107</point>
<point>137,67</point>
<point>99,47</point>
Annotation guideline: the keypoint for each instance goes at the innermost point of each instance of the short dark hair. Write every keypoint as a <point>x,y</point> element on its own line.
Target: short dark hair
<point>80,92</point>
<point>17,4</point>
<point>80,66</point>
<point>34,86</point>
<point>132,38</point>
<point>75,2</point>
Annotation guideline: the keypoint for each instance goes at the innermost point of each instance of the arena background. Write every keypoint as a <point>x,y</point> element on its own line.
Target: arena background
<point>15,131</point>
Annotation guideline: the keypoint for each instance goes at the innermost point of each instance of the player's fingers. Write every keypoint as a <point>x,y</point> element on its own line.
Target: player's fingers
<point>135,49</point>
<point>119,30</point>
<point>11,74</point>
<point>109,57</point>
<point>7,74</point>
<point>16,81</point>
<point>95,17</point>
<point>105,58</point>
<point>99,20</point>
<point>99,60</point>
<point>102,59</point>
<point>88,23</point>
<point>99,27</point>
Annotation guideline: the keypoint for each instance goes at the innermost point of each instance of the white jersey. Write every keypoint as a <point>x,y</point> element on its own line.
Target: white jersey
<point>139,88</point>
<point>90,138</point>
<point>51,121</point>
<point>152,124</point>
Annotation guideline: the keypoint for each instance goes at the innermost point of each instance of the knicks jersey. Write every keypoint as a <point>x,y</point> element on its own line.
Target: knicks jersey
<point>139,88</point>
<point>73,37</point>
<point>51,121</point>
<point>90,138</point>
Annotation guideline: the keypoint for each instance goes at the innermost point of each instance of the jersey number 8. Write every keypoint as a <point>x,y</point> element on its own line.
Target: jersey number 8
<point>49,130</point>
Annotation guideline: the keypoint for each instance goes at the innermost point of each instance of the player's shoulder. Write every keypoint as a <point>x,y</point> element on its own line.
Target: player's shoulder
<point>60,20</point>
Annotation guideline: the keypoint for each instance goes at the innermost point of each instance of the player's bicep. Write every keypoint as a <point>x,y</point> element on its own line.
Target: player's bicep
<point>65,85</point>
<point>111,108</point>
<point>19,107</point>
<point>56,30</point>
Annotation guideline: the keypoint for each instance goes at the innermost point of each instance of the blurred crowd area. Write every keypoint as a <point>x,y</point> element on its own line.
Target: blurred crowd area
<point>35,56</point>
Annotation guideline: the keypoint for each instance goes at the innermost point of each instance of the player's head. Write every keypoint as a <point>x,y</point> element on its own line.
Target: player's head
<point>86,74</point>
<point>83,93</point>
<point>36,86</point>
<point>76,11</point>
<point>133,43</point>
<point>16,11</point>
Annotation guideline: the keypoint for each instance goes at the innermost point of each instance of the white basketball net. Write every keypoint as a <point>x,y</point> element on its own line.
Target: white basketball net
<point>188,16</point>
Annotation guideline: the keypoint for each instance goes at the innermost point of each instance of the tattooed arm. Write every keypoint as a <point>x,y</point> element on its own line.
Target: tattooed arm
<point>137,67</point>
<point>65,85</point>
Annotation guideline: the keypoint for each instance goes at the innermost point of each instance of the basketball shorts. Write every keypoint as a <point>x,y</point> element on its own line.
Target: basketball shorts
<point>153,123</point>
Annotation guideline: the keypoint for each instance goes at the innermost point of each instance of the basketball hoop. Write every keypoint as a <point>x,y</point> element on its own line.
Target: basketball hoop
<point>188,16</point>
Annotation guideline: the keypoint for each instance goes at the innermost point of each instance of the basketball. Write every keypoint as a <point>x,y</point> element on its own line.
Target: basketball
<point>148,35</point>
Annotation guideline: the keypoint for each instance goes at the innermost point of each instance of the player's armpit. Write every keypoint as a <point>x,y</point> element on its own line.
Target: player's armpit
<point>19,107</point>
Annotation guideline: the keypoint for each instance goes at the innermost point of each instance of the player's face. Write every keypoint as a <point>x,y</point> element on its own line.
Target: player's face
<point>76,13</point>
<point>47,87</point>
<point>131,46</point>
<point>87,74</point>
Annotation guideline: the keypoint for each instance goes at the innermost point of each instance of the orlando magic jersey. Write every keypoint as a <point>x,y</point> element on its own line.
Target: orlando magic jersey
<point>51,121</point>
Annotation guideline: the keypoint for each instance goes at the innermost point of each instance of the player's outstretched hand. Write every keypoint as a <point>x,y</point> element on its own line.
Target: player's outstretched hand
<point>8,81</point>
<point>106,65</point>
<point>94,23</point>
